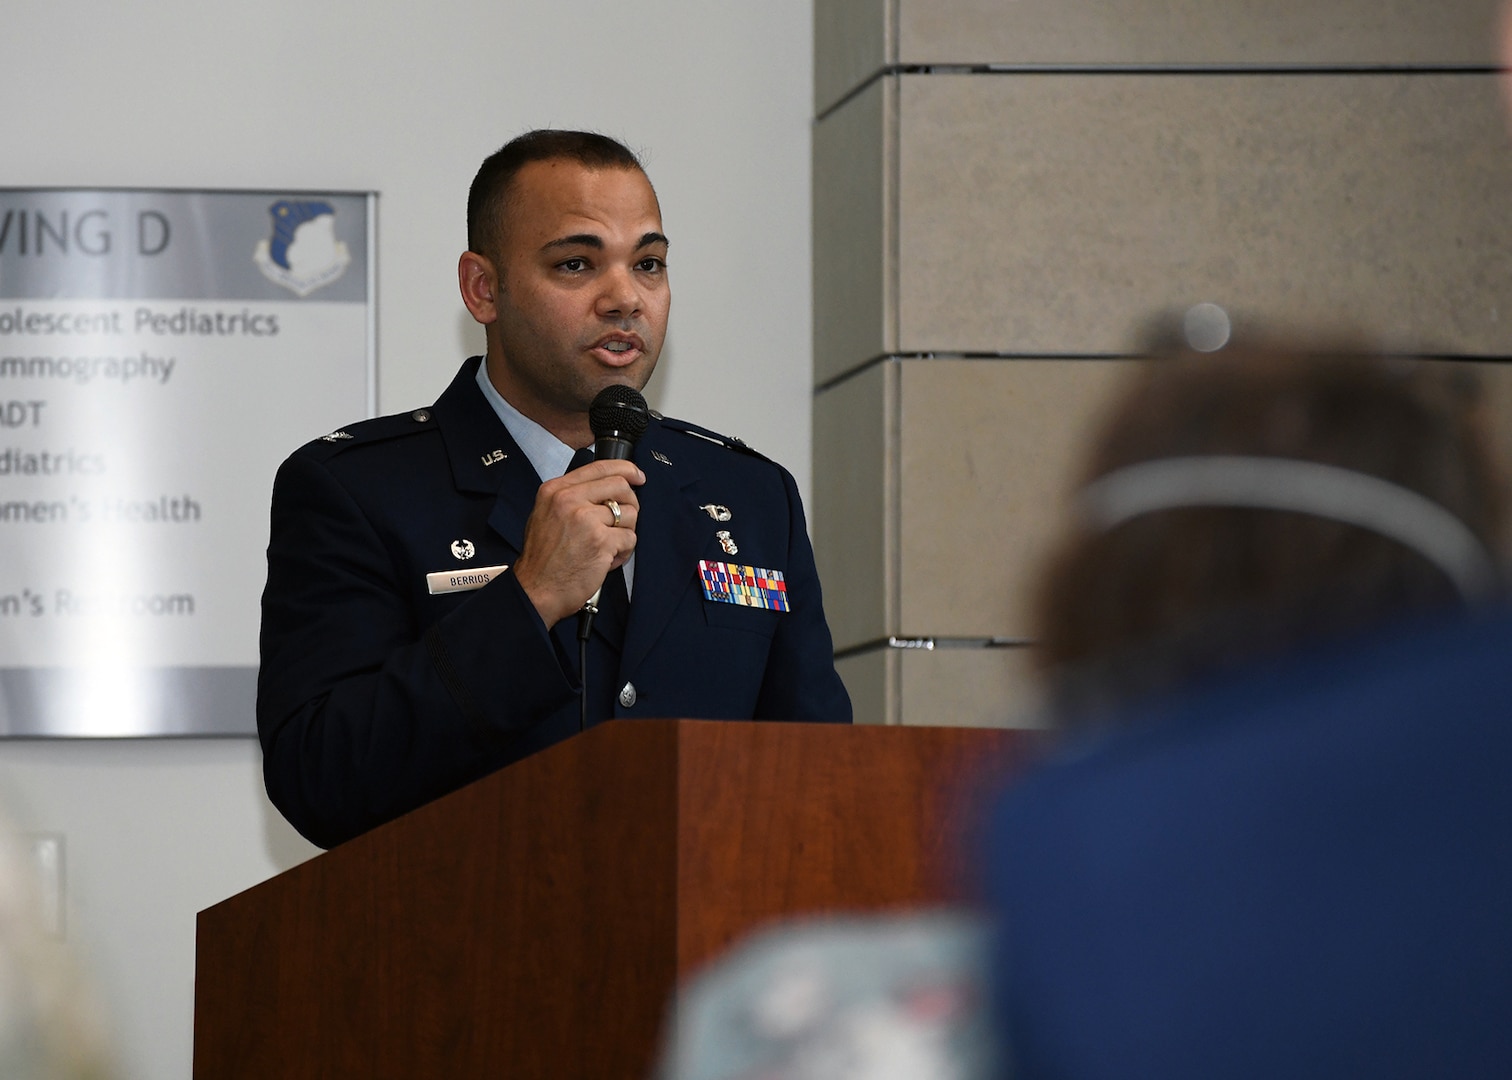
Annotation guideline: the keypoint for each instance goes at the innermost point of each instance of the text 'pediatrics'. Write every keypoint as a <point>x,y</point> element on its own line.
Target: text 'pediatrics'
<point>187,321</point>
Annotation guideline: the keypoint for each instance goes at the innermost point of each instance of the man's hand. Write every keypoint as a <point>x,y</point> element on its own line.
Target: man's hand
<point>571,541</point>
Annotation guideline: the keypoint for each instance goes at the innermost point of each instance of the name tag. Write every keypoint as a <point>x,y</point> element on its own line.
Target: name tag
<point>445,581</point>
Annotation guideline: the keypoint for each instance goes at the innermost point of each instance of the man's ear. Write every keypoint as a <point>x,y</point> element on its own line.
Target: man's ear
<point>479,284</point>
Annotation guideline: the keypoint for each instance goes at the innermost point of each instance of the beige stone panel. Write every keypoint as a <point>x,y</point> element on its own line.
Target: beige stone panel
<point>866,676</point>
<point>991,454</point>
<point>1051,214</point>
<point>944,687</point>
<point>968,687</point>
<point>854,265</point>
<point>854,515</point>
<point>852,39</point>
<point>991,450</point>
<point>1194,31</point>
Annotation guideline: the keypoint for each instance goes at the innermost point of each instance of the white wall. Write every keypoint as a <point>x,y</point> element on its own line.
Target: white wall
<point>406,101</point>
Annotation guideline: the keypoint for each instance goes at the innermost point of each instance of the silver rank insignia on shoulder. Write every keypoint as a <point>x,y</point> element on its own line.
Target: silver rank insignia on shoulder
<point>463,549</point>
<point>494,458</point>
<point>717,512</point>
<point>661,457</point>
<point>726,543</point>
<point>336,436</point>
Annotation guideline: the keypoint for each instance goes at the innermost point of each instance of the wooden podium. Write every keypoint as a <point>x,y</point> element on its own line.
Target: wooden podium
<point>535,923</point>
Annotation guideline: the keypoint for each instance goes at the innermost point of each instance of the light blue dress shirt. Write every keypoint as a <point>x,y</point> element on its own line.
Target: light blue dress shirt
<point>548,454</point>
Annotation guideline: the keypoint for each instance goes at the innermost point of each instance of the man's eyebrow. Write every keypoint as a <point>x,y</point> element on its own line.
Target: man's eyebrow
<point>592,240</point>
<point>575,240</point>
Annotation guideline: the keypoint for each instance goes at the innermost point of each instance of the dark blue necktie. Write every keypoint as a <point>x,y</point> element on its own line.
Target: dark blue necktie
<point>614,599</point>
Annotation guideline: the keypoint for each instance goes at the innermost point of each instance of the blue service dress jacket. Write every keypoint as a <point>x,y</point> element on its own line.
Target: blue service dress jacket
<point>1301,871</point>
<point>376,695</point>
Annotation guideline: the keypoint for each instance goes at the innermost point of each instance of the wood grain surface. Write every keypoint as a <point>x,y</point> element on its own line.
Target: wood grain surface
<point>534,924</point>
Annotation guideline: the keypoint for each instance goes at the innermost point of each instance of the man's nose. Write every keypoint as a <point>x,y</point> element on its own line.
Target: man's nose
<point>621,294</point>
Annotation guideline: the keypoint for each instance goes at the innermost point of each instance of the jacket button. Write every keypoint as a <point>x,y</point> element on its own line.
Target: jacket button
<point>420,415</point>
<point>627,695</point>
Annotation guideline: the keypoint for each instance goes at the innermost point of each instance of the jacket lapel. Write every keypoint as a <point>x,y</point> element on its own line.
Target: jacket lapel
<point>669,540</point>
<point>475,439</point>
<point>672,535</point>
<point>516,498</point>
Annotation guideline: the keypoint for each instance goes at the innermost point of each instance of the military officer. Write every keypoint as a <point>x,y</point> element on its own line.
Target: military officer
<point>425,569</point>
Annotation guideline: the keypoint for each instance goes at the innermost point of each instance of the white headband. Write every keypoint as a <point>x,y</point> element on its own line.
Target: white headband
<point>1306,487</point>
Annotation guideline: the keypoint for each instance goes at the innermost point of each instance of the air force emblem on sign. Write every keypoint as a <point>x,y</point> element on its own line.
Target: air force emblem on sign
<point>303,253</point>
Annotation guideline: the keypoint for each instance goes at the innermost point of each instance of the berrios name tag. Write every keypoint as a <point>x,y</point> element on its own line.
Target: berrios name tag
<point>444,581</point>
<point>748,586</point>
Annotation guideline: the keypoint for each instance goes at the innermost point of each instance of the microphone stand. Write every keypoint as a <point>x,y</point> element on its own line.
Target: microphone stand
<point>585,625</point>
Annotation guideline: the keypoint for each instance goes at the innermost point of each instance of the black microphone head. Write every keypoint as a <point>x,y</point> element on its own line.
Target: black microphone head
<point>619,412</point>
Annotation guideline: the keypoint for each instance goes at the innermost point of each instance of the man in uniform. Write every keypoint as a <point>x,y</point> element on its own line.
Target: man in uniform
<point>425,570</point>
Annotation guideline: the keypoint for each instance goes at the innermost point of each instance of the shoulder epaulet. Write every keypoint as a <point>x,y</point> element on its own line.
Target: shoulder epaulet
<point>730,442</point>
<point>378,429</point>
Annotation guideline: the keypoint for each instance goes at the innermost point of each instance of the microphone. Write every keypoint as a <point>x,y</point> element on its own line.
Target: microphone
<point>618,418</point>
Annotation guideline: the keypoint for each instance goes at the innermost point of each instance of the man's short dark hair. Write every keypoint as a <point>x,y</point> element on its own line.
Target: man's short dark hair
<point>490,192</point>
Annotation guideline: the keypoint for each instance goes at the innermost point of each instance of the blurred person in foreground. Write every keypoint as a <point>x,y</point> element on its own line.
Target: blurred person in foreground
<point>1212,543</point>
<point>1282,843</point>
<point>1269,497</point>
<point>886,997</point>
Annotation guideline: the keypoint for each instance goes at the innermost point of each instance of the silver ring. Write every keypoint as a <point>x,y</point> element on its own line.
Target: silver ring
<point>613,509</point>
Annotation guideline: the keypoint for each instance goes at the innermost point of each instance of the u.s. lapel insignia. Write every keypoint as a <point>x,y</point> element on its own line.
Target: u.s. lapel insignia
<point>463,549</point>
<point>494,458</point>
<point>726,543</point>
<point>661,457</point>
<point>717,512</point>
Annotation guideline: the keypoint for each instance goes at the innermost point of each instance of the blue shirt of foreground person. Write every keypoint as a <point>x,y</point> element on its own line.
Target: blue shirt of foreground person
<point>425,569</point>
<point>1303,872</point>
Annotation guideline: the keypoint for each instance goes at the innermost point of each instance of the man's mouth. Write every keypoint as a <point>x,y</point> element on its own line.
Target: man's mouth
<point>619,349</point>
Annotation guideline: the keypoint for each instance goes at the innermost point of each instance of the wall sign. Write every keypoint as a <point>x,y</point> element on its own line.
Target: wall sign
<point>160,353</point>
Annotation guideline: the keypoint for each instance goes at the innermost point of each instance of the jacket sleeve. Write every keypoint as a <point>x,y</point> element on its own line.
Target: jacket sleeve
<point>801,682</point>
<point>363,713</point>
